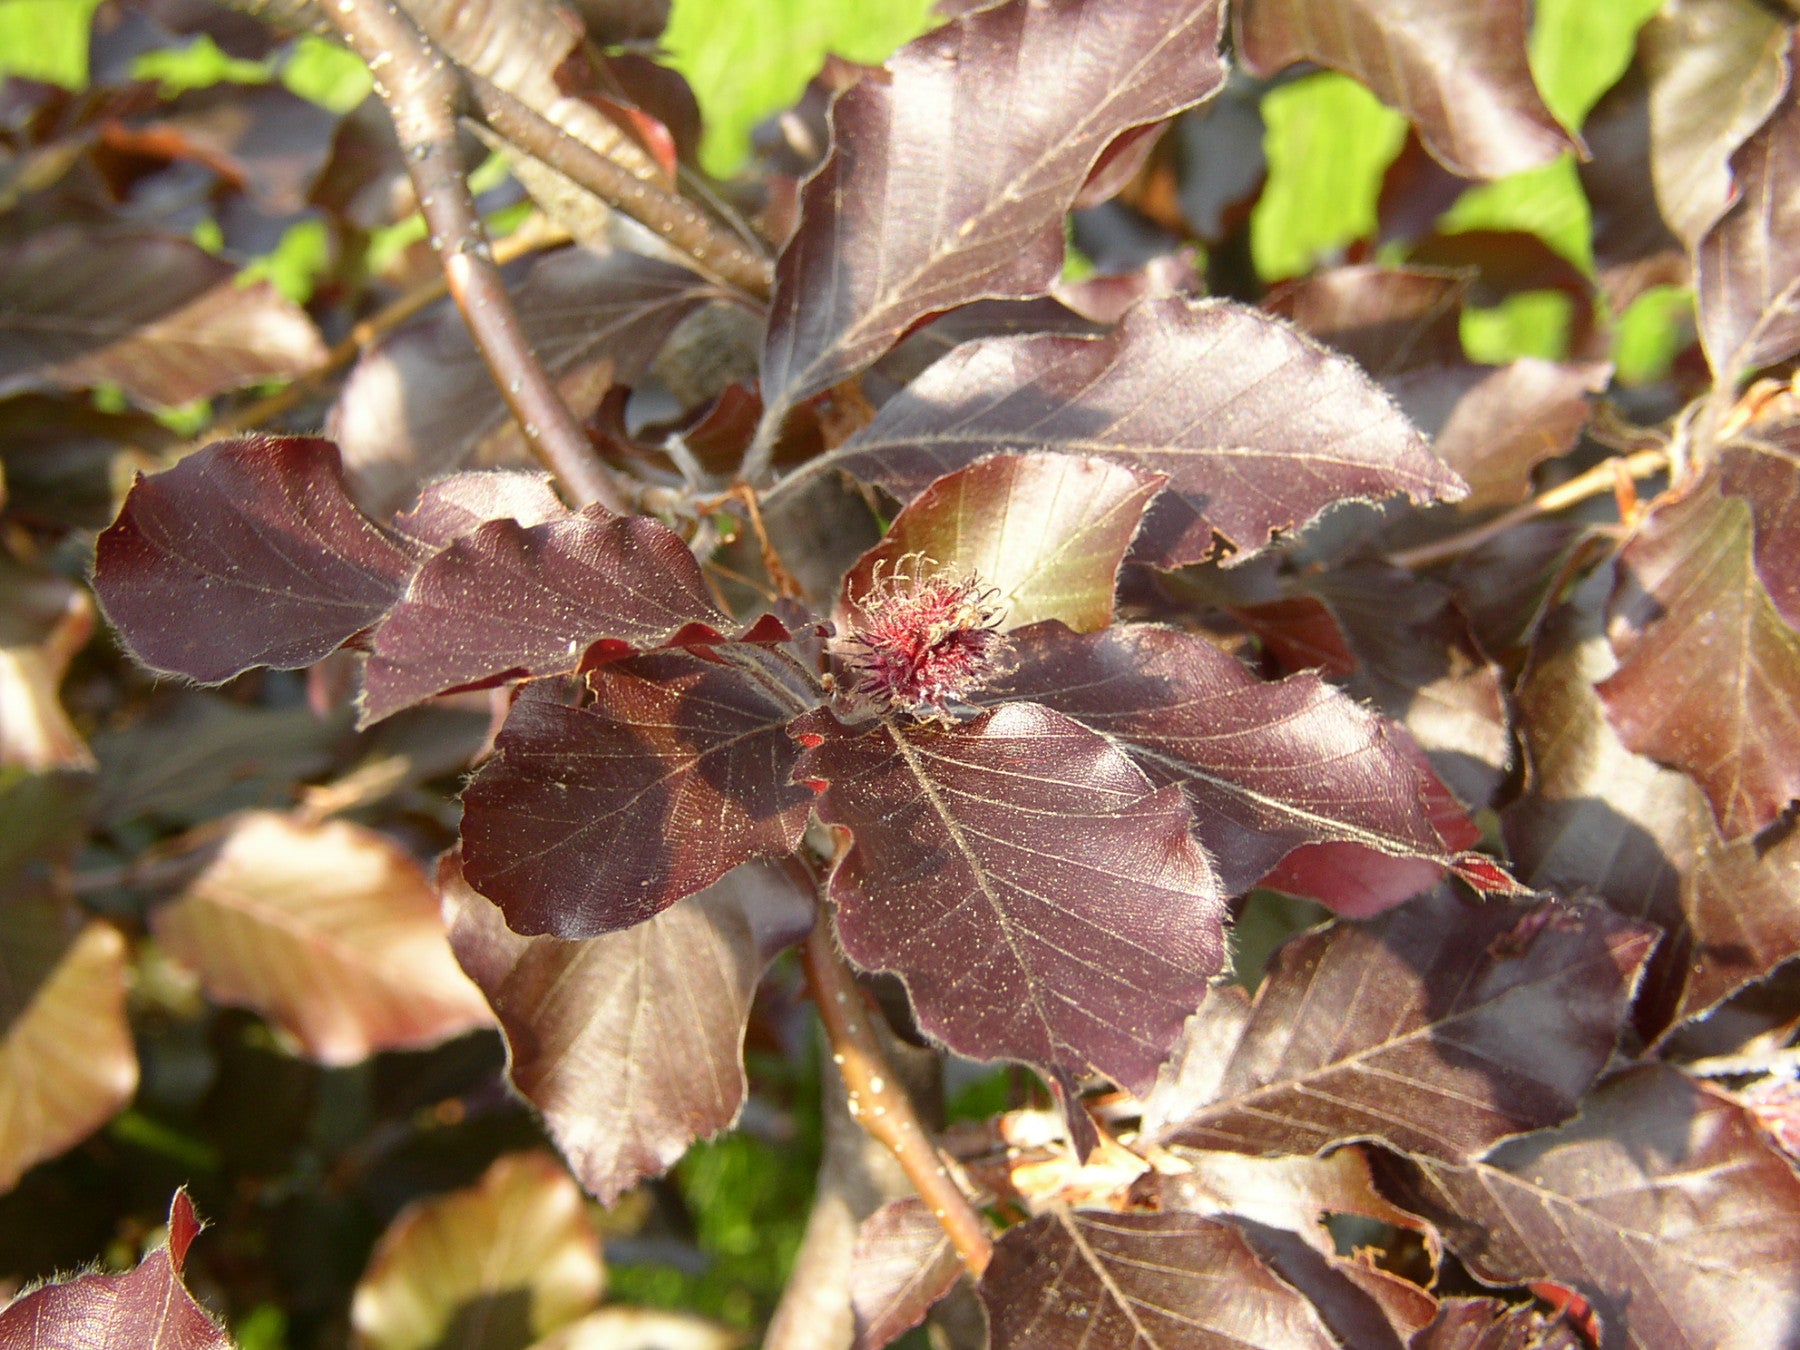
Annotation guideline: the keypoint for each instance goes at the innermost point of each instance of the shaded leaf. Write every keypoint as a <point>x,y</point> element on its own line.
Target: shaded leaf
<point>329,930</point>
<point>1709,674</point>
<point>155,314</point>
<point>1634,249</point>
<point>901,221</point>
<point>258,535</point>
<point>1457,70</point>
<point>1601,819</point>
<point>630,1044</point>
<point>1038,897</point>
<point>1266,766</point>
<point>1764,470</point>
<point>593,819</point>
<point>903,1263</point>
<point>517,1246</point>
<point>44,622</point>
<point>1440,1039</point>
<point>1663,1204</point>
<point>511,600</point>
<point>1140,1282</point>
<point>1257,428</point>
<point>67,1065</point>
<point>1747,268</point>
<point>1046,533</point>
<point>1489,1324</point>
<point>421,402</point>
<point>147,1309</point>
<point>1717,69</point>
<point>1387,319</point>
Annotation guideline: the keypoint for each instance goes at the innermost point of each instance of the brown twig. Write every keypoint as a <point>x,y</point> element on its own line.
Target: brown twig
<point>878,1102</point>
<point>720,253</point>
<point>1601,479</point>
<point>422,90</point>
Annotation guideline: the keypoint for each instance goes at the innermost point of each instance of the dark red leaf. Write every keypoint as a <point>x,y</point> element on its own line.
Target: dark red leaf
<point>451,507</point>
<point>1489,1324</point>
<point>155,314</point>
<point>1747,268</point>
<point>1634,249</point>
<point>1140,1282</point>
<point>1388,319</point>
<point>1604,820</point>
<point>147,1309</point>
<point>1717,69</point>
<point>532,600</point>
<point>902,221</point>
<point>1439,1041</point>
<point>1040,899</point>
<point>421,402</point>
<point>903,1263</point>
<point>631,1044</point>
<point>247,553</point>
<point>1456,68</point>
<point>1663,1204</point>
<point>1709,673</point>
<point>1267,767</point>
<point>1764,470</point>
<point>593,819</point>
<point>1257,428</point>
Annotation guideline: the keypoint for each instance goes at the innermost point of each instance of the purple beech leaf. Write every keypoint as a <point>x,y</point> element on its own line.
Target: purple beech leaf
<point>449,508</point>
<point>1709,673</point>
<point>420,401</point>
<point>1717,69</point>
<point>1456,68</point>
<point>1747,268</point>
<point>511,600</point>
<point>148,1308</point>
<point>329,930</point>
<point>1437,1029</point>
<point>1257,427</point>
<point>1600,819</point>
<point>1038,897</point>
<point>247,553</point>
<point>631,1044</point>
<point>903,221</point>
<point>156,314</point>
<point>1046,533</point>
<point>1763,468</point>
<point>1634,249</point>
<point>903,1263</point>
<point>1387,319</point>
<point>1489,1324</point>
<point>592,819</point>
<point>520,1232</point>
<point>1266,766</point>
<point>1663,1204</point>
<point>1080,1281</point>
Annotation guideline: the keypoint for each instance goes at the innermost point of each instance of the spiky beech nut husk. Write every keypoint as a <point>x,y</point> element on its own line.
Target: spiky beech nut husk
<point>921,640</point>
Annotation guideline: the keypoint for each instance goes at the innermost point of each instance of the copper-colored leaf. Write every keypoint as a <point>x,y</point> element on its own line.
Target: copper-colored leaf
<point>330,930</point>
<point>1709,673</point>
<point>147,1309</point>
<point>44,621</point>
<point>903,1263</point>
<point>514,1253</point>
<point>1257,428</point>
<point>156,314</point>
<point>1046,533</point>
<point>1266,766</point>
<point>1040,899</point>
<point>257,537</point>
<point>593,819</point>
<point>1437,1041</point>
<point>1140,1282</point>
<point>902,220</point>
<point>67,1065</point>
<point>1747,268</point>
<point>631,1043</point>
<point>1717,69</point>
<point>1663,1204</point>
<point>1456,68</point>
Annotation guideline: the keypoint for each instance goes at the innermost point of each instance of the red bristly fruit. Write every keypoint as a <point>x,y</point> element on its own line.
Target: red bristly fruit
<point>920,642</point>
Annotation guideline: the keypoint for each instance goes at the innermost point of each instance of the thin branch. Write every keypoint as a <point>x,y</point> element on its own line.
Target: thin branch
<point>878,1102</point>
<point>721,254</point>
<point>1600,479</point>
<point>421,90</point>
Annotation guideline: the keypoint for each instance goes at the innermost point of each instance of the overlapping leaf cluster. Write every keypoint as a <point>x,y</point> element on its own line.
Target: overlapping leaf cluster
<point>1267,616</point>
